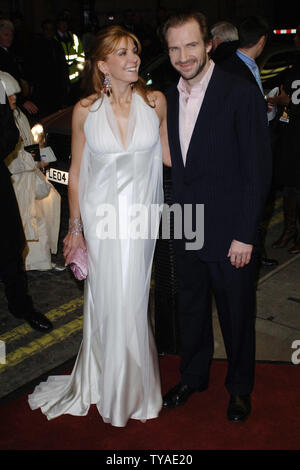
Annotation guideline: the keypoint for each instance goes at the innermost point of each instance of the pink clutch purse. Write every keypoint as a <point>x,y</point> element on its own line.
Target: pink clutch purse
<point>79,264</point>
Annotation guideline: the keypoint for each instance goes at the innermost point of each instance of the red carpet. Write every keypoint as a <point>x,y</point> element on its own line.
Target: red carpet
<point>200,424</point>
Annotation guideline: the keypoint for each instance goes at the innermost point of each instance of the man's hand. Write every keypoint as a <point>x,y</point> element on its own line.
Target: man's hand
<point>30,107</point>
<point>240,254</point>
<point>282,100</point>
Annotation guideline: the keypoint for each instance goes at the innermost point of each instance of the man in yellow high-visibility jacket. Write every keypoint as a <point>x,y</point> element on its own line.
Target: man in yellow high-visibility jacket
<point>73,50</point>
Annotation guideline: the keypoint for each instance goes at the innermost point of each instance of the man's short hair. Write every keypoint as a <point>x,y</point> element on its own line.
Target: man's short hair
<point>225,31</point>
<point>6,24</point>
<point>251,30</point>
<point>179,19</point>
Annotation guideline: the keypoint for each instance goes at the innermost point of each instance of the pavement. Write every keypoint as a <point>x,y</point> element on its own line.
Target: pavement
<point>27,356</point>
<point>277,314</point>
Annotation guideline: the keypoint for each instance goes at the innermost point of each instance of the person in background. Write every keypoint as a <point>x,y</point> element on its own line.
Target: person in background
<point>253,34</point>
<point>90,33</point>
<point>127,19</point>
<point>9,64</point>
<point>22,38</point>
<point>74,56</point>
<point>12,236</point>
<point>289,159</point>
<point>48,71</point>
<point>225,40</point>
<point>145,33</point>
<point>161,15</point>
<point>39,203</point>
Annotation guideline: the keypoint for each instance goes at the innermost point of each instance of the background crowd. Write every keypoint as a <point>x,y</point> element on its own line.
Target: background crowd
<point>48,64</point>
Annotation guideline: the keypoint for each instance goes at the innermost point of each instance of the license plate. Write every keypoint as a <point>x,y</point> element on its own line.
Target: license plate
<point>58,176</point>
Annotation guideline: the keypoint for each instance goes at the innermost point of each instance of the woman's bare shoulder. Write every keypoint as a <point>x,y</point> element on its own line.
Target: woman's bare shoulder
<point>82,107</point>
<point>85,103</point>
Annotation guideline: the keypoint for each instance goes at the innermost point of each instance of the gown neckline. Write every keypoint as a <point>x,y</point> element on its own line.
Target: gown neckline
<point>114,127</point>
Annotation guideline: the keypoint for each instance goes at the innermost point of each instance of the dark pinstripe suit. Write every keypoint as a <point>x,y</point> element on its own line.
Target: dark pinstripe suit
<point>228,169</point>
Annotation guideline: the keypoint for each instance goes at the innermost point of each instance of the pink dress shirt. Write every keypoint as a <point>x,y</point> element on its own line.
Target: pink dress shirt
<point>189,107</point>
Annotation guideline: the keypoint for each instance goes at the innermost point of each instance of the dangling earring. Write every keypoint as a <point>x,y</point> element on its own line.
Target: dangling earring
<point>107,88</point>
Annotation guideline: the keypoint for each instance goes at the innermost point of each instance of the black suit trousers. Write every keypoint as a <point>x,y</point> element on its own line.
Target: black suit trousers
<point>234,292</point>
<point>14,278</point>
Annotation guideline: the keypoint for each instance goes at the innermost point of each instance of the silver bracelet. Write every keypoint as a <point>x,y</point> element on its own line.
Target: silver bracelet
<point>75,226</point>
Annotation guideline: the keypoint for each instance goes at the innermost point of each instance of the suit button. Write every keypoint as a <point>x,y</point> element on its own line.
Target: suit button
<point>186,182</point>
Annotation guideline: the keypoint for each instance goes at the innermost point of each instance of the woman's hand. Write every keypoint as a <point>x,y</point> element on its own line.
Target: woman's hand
<point>161,110</point>
<point>71,243</point>
<point>41,164</point>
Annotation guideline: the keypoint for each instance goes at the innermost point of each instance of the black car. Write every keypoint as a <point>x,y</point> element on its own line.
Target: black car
<point>275,60</point>
<point>57,129</point>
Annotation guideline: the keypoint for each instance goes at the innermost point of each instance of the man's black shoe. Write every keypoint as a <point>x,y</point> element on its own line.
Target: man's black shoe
<point>177,396</point>
<point>239,408</point>
<point>40,323</point>
<point>268,262</point>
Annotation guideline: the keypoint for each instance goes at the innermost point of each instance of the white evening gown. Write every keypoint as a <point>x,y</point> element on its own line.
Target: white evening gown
<point>117,364</point>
